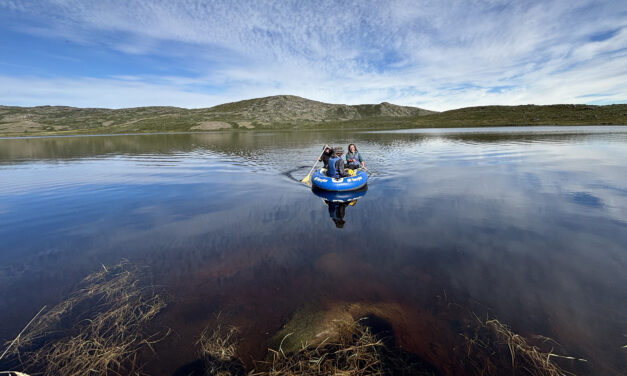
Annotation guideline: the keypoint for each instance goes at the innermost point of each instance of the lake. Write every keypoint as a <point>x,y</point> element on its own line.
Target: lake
<point>524,224</point>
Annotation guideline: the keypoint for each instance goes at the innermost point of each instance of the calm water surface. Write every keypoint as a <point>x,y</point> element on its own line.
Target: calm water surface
<point>528,225</point>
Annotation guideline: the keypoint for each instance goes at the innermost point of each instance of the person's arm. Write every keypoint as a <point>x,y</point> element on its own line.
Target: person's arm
<point>323,153</point>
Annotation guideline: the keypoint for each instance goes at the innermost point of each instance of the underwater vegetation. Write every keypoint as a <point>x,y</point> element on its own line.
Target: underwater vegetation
<point>107,327</point>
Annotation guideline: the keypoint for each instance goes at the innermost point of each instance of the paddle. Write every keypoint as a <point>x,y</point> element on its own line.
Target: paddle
<point>306,178</point>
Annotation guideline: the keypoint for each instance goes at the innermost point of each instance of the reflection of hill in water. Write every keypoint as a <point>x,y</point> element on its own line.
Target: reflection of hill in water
<point>234,143</point>
<point>251,144</point>
<point>528,137</point>
<point>531,134</point>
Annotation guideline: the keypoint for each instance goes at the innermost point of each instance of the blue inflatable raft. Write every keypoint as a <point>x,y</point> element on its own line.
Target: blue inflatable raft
<point>320,180</point>
<point>340,197</point>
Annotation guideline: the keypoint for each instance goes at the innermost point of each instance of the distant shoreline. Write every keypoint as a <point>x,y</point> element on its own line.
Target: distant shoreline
<point>287,112</point>
<point>495,129</point>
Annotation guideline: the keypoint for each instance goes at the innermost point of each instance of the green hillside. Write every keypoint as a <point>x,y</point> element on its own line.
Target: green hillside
<point>486,116</point>
<point>560,114</point>
<point>265,113</point>
<point>290,112</point>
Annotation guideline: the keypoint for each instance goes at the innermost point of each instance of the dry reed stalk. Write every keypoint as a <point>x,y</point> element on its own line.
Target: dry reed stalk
<point>17,338</point>
<point>354,352</point>
<point>218,349</point>
<point>219,343</point>
<point>98,330</point>
<point>485,349</point>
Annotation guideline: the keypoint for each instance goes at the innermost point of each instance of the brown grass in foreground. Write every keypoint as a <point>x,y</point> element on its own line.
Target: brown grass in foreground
<point>102,329</point>
<point>218,350</point>
<point>355,351</point>
<point>99,330</point>
<point>494,347</point>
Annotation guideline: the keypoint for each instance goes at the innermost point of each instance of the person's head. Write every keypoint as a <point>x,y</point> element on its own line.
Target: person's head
<point>352,148</point>
<point>339,223</point>
<point>338,151</point>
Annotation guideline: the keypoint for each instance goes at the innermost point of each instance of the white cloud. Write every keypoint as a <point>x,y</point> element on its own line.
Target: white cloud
<point>438,55</point>
<point>90,92</point>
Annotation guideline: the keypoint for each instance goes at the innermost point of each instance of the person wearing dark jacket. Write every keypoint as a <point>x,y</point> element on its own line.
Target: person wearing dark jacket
<point>325,156</point>
<point>335,168</point>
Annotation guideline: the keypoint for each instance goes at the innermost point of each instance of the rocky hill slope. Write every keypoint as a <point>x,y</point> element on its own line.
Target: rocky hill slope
<point>282,111</point>
<point>289,108</point>
<point>291,112</point>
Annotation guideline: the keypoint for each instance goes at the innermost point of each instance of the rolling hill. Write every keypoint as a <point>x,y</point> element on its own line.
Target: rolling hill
<point>290,112</point>
<point>270,112</point>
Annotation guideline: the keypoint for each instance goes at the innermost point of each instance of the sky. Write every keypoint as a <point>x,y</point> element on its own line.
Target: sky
<point>438,55</point>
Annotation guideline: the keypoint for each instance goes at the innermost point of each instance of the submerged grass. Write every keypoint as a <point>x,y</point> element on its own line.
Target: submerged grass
<point>355,351</point>
<point>218,350</point>
<point>98,330</point>
<point>102,329</point>
<point>494,348</point>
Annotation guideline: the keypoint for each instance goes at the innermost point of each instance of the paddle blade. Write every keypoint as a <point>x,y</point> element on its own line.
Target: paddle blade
<point>306,179</point>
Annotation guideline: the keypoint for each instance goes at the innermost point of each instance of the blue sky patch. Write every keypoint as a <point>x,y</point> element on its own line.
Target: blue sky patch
<point>197,53</point>
<point>604,35</point>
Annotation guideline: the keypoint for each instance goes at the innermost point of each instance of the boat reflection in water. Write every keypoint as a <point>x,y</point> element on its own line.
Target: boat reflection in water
<point>338,201</point>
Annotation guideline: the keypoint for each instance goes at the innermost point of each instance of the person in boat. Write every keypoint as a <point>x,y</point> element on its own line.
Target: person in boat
<point>335,168</point>
<point>325,156</point>
<point>353,158</point>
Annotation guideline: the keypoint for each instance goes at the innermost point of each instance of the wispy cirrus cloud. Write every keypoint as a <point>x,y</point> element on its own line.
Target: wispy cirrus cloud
<point>433,54</point>
<point>93,92</point>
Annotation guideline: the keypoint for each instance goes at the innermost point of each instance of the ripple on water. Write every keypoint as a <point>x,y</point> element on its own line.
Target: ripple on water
<point>532,227</point>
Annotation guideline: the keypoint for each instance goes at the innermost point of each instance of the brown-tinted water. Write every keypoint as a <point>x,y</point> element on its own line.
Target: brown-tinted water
<point>526,225</point>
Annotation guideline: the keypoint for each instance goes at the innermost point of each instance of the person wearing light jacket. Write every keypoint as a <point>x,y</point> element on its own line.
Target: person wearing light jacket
<point>353,158</point>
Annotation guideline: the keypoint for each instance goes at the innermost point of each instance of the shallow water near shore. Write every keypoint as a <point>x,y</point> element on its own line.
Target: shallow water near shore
<point>526,224</point>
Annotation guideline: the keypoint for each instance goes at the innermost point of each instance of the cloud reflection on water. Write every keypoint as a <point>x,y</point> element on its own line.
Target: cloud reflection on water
<point>533,230</point>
